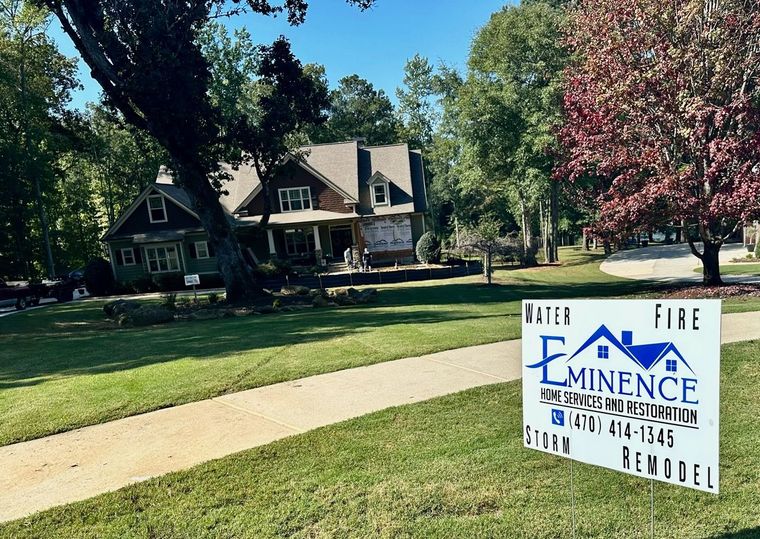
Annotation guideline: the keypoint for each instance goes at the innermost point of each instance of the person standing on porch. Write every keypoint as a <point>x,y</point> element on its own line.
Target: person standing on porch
<point>348,257</point>
<point>366,260</point>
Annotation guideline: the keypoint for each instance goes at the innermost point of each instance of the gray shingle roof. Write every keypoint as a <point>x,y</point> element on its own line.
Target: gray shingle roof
<point>347,165</point>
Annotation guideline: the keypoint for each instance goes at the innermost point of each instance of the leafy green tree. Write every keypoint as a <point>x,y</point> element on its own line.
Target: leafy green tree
<point>417,111</point>
<point>147,56</point>
<point>511,107</point>
<point>36,81</point>
<point>358,110</point>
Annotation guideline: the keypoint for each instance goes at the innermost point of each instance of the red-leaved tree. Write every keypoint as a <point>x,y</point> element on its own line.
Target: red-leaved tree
<point>662,112</point>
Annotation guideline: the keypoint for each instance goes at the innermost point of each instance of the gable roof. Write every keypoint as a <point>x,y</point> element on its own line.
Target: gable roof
<point>645,355</point>
<point>172,192</point>
<point>603,332</point>
<point>345,167</point>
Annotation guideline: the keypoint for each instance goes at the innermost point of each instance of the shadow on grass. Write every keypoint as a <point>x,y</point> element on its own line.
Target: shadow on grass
<point>78,352</point>
<point>749,533</point>
<point>70,340</point>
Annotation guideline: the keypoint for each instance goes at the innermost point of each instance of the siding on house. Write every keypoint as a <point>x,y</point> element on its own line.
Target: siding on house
<point>139,222</point>
<point>418,227</point>
<point>123,272</point>
<point>197,265</point>
<point>323,197</point>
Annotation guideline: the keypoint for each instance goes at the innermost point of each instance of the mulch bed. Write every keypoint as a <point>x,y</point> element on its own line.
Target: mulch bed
<point>712,292</point>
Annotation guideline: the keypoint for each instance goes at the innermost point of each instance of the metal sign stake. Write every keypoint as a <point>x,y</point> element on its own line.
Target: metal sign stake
<point>572,496</point>
<point>651,508</point>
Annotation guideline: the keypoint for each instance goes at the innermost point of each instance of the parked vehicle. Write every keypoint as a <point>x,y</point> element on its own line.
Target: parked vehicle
<point>22,296</point>
<point>19,295</point>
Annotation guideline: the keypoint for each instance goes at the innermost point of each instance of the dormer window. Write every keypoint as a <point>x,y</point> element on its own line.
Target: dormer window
<point>379,189</point>
<point>157,209</point>
<point>295,199</point>
<point>379,194</point>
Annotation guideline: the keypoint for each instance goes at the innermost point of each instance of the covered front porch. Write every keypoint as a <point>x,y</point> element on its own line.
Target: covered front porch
<point>314,243</point>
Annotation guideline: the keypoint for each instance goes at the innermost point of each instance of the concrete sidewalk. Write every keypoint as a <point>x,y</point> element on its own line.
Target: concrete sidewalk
<point>79,464</point>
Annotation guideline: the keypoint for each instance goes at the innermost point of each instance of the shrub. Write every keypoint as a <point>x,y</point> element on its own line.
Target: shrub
<point>143,285</point>
<point>213,298</point>
<point>428,248</point>
<point>273,268</point>
<point>98,277</point>
<point>168,282</point>
<point>276,304</point>
<point>169,301</point>
<point>757,250</point>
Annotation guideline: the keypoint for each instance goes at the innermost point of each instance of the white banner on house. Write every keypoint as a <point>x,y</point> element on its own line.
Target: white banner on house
<point>390,233</point>
<point>631,385</point>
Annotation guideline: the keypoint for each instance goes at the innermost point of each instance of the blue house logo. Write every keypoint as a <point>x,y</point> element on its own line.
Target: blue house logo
<point>661,372</point>
<point>646,356</point>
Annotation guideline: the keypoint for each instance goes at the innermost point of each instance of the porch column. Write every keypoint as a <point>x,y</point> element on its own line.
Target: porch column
<point>270,237</point>
<point>317,242</point>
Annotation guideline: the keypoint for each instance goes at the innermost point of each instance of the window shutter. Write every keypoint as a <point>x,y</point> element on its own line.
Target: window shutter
<point>138,255</point>
<point>119,258</point>
<point>191,248</point>
<point>210,249</point>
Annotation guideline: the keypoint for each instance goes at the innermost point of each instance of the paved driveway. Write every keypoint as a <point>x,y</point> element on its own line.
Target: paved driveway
<point>668,263</point>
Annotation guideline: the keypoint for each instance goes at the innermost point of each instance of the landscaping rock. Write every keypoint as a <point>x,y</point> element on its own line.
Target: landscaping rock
<point>335,292</point>
<point>318,292</point>
<point>212,314</point>
<point>265,309</point>
<point>344,300</point>
<point>113,309</point>
<point>353,292</point>
<point>146,315</point>
<point>319,301</point>
<point>367,295</point>
<point>294,290</point>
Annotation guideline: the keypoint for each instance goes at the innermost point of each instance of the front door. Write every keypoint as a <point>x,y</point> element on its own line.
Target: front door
<point>341,238</point>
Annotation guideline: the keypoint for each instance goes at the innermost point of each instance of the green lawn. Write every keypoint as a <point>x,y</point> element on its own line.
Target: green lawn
<point>743,268</point>
<point>60,368</point>
<point>450,467</point>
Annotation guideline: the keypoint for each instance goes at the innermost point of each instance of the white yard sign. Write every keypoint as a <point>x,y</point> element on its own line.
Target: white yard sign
<point>630,385</point>
<point>192,280</point>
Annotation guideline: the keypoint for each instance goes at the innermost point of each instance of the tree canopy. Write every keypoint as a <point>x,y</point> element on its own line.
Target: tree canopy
<point>663,114</point>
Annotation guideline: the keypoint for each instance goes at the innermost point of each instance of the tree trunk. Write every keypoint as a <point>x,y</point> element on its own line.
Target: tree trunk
<point>32,175</point>
<point>489,261</point>
<point>553,223</point>
<point>238,278</point>
<point>711,264</point>
<point>45,227</point>
<point>530,255</point>
<point>708,256</point>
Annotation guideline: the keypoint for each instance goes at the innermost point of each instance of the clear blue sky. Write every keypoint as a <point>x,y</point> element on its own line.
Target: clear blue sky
<point>374,44</point>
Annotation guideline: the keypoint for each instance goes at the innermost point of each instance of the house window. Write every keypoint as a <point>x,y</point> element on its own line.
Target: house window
<point>162,259</point>
<point>297,199</point>
<point>157,209</point>
<point>671,365</point>
<point>128,256</point>
<point>201,249</point>
<point>603,352</point>
<point>299,242</point>
<point>379,194</point>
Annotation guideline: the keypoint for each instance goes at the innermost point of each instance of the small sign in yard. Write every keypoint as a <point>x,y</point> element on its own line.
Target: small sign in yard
<point>192,280</point>
<point>631,385</point>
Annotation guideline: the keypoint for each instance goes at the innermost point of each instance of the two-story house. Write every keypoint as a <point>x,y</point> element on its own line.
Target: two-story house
<point>334,197</point>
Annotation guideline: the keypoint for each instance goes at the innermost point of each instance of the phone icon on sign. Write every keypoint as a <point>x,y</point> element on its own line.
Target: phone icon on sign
<point>558,417</point>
